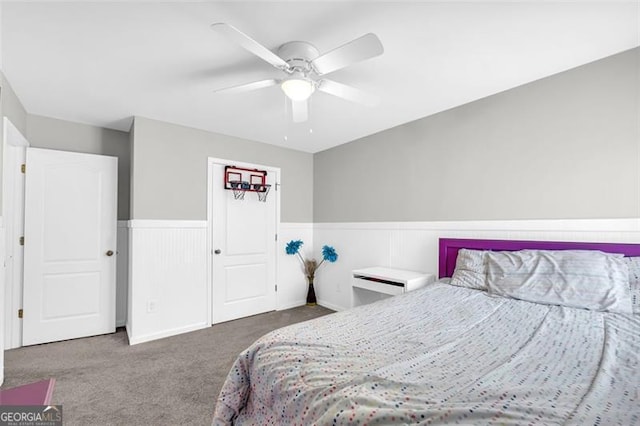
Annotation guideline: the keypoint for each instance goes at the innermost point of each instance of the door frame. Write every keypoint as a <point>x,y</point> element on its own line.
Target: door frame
<point>211,161</point>
<point>13,142</point>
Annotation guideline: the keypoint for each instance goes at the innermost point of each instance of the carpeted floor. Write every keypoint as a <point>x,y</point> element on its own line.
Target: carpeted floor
<point>103,381</point>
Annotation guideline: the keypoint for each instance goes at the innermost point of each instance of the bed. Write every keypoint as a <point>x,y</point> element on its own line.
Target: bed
<point>447,354</point>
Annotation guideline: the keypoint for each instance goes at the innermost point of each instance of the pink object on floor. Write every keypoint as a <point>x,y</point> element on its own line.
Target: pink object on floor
<point>37,393</point>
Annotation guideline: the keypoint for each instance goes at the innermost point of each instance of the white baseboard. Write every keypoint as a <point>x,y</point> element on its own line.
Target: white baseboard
<point>291,305</point>
<point>165,333</point>
<point>331,306</point>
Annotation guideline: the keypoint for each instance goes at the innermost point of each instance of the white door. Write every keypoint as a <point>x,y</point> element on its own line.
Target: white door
<point>244,244</point>
<point>14,155</point>
<point>70,244</point>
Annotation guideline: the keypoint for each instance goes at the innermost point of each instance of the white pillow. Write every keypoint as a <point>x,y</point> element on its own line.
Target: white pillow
<point>634,282</point>
<point>585,279</point>
<point>471,269</point>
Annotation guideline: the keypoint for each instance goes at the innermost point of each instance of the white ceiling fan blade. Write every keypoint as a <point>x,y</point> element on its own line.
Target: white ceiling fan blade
<point>300,111</point>
<point>240,38</point>
<point>248,86</point>
<point>357,50</point>
<point>349,93</point>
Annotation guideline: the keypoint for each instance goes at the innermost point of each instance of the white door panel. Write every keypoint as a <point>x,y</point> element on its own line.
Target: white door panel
<point>244,271</point>
<point>70,243</point>
<point>84,286</point>
<point>246,232</point>
<point>255,275</point>
<point>81,237</point>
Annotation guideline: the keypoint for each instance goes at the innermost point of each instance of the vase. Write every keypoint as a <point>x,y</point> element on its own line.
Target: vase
<point>311,293</point>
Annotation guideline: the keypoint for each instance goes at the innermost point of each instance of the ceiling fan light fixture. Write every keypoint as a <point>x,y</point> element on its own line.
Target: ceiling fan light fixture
<point>298,89</point>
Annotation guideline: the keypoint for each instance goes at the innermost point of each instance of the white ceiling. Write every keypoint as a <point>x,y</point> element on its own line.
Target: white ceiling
<point>102,63</point>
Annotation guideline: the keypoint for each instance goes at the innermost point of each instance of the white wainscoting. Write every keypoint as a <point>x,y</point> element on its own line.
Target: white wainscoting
<point>167,268</point>
<point>168,291</point>
<point>414,245</point>
<point>292,284</point>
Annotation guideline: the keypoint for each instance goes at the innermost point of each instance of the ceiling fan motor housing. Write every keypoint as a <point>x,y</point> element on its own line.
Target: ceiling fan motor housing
<point>298,54</point>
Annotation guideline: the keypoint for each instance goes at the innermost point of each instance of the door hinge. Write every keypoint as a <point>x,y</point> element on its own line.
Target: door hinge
<point>20,313</point>
<point>276,290</point>
<point>23,168</point>
<point>21,241</point>
<point>276,237</point>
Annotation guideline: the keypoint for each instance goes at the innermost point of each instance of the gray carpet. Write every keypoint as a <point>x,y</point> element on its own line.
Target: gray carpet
<point>103,381</point>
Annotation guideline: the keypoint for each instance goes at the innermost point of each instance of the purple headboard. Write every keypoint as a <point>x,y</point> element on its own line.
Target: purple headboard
<point>449,249</point>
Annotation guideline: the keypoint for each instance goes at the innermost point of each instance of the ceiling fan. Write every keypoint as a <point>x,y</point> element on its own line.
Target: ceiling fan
<point>304,68</point>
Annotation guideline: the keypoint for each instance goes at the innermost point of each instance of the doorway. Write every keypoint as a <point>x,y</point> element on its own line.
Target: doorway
<point>60,212</point>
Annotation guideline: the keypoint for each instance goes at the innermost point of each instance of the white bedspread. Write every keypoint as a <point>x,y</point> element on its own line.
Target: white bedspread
<point>441,355</point>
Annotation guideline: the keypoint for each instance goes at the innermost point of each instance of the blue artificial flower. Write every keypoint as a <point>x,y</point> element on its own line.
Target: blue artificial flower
<point>329,254</point>
<point>293,246</point>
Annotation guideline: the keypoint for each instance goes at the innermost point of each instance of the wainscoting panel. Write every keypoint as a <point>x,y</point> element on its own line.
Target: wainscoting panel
<point>414,245</point>
<point>292,284</point>
<point>168,289</point>
<point>358,247</point>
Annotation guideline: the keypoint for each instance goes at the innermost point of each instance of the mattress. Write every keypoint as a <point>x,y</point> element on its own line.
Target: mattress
<point>441,355</point>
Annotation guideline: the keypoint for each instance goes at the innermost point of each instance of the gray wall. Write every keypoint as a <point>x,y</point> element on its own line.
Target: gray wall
<point>11,107</point>
<point>566,146</point>
<point>51,133</point>
<point>169,173</point>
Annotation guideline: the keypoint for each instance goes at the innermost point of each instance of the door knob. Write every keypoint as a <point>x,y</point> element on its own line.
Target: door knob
<point>217,251</point>
<point>109,253</point>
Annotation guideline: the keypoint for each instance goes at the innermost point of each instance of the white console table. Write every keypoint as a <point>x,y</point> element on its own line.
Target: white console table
<point>372,284</point>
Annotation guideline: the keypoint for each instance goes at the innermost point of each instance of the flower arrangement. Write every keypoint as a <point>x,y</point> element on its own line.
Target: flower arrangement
<point>310,266</point>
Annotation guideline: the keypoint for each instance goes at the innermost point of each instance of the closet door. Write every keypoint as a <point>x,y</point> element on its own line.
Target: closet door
<point>69,246</point>
<point>244,256</point>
